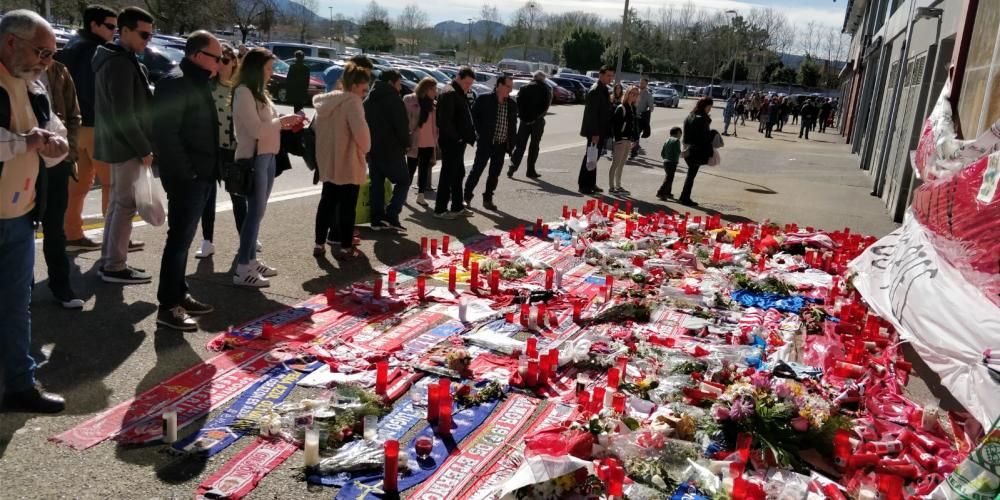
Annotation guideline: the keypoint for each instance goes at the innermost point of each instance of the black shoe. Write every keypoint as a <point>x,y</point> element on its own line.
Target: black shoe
<point>176,318</point>
<point>689,203</point>
<point>468,199</point>
<point>488,204</point>
<point>136,245</point>
<point>597,189</point>
<point>396,226</point>
<point>34,400</point>
<point>194,307</point>
<point>534,175</point>
<point>510,172</point>
<point>67,298</point>
<point>379,225</point>
<point>127,276</point>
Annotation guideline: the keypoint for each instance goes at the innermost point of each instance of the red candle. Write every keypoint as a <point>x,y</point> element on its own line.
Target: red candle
<point>451,279</point>
<point>391,465</point>
<point>544,369</point>
<point>622,364</point>
<point>423,246</point>
<point>576,312</point>
<point>540,316</point>
<point>474,280</point>
<point>377,288</point>
<point>381,377</point>
<point>525,311</point>
<point>433,402</point>
<point>421,286</point>
<point>266,331</point>
<point>444,418</point>
<point>532,349</point>
<point>495,281</point>
<point>717,253</point>
<point>509,316</point>
<point>573,213</point>
<point>434,246</point>
<point>392,281</point>
<point>583,399</point>
<point>444,243</point>
<point>597,402</point>
<point>553,319</point>
<point>331,297</point>
<point>565,212</point>
<point>538,227</point>
<point>618,402</point>
<point>628,207</point>
<point>531,379</point>
<point>550,275</point>
<point>466,254</point>
<point>554,360</point>
<point>613,374</point>
<point>761,262</point>
<point>545,230</point>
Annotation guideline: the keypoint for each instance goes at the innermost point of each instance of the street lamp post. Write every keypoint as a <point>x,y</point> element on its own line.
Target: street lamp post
<point>468,44</point>
<point>621,44</point>
<point>732,84</point>
<point>331,27</point>
<point>684,73</point>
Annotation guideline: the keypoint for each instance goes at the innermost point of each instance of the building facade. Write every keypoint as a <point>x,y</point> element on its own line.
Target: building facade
<point>902,52</point>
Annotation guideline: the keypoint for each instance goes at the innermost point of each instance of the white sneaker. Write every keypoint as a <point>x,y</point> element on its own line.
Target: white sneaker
<point>206,250</point>
<point>465,212</point>
<point>250,278</point>
<point>263,269</point>
<point>260,248</point>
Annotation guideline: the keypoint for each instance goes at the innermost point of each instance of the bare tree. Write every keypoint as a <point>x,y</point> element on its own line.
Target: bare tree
<point>526,22</point>
<point>302,15</point>
<point>248,15</point>
<point>811,37</point>
<point>411,23</point>
<point>374,12</point>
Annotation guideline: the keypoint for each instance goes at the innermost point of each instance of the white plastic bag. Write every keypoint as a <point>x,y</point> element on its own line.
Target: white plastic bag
<point>715,160</point>
<point>592,157</point>
<point>150,200</point>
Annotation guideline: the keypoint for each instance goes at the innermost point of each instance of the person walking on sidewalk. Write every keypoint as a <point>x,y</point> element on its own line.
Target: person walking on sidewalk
<point>297,82</point>
<point>625,131</point>
<point>596,128</point>
<point>122,131</point>
<point>422,154</point>
<point>671,155</point>
<point>62,95</point>
<point>644,113</point>
<point>808,115</point>
<point>698,137</point>
<point>390,129</point>
<point>342,141</point>
<point>99,25</point>
<point>533,102</point>
<point>495,116</point>
<point>773,116</point>
<point>825,111</point>
<point>454,120</point>
<point>728,113</point>
<point>30,140</point>
<point>186,128</point>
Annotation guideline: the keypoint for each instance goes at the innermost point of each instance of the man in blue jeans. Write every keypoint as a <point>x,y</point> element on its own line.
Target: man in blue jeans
<point>495,118</point>
<point>187,142</point>
<point>31,138</point>
<point>390,130</point>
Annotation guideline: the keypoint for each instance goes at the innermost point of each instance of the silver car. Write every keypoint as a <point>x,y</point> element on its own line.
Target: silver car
<point>666,96</point>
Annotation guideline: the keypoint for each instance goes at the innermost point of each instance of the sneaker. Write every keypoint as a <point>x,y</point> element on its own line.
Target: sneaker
<point>465,212</point>
<point>489,205</point>
<point>468,199</point>
<point>612,189</point>
<point>510,172</point>
<point>68,299</point>
<point>84,244</point>
<point>250,278</point>
<point>396,226</point>
<point>379,225</point>
<point>421,201</point>
<point>319,250</point>
<point>33,400</point>
<point>689,203</point>
<point>135,246</point>
<point>445,215</point>
<point>624,191</point>
<point>176,318</point>
<point>263,269</point>
<point>346,253</point>
<point>260,248</point>
<point>534,175</point>
<point>127,276</point>
<point>194,307</point>
<point>206,250</point>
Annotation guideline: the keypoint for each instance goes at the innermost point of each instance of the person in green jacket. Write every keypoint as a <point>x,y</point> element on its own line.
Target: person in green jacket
<point>671,154</point>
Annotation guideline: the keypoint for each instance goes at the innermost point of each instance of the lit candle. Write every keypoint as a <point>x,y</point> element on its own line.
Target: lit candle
<point>392,281</point>
<point>423,246</point>
<point>312,447</point>
<point>540,316</point>
<point>576,311</point>
<point>618,402</point>
<point>381,377</point>
<point>474,279</point>
<point>377,288</point>
<point>434,246</point>
<point>525,312</point>
<point>433,402</point>
<point>451,279</point>
<point>445,240</point>
<point>531,379</point>
<point>549,277</point>
<point>495,281</point>
<point>532,348</point>
<point>389,482</point>
<point>613,375</point>
<point>421,287</point>
<point>466,255</point>
<point>170,425</point>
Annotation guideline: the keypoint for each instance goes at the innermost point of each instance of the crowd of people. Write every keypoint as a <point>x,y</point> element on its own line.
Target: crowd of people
<point>772,112</point>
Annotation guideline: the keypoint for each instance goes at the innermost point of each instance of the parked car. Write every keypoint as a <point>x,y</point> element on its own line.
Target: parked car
<point>691,90</point>
<point>276,86</point>
<point>283,50</point>
<point>518,84</point>
<point>575,86</point>
<point>487,79</point>
<point>562,96</point>
<point>160,60</point>
<point>317,65</point>
<point>679,88</point>
<point>666,96</point>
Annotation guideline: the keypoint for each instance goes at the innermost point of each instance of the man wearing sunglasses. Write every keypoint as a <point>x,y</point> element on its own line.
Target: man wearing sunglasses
<point>99,25</point>
<point>123,136</point>
<point>186,128</point>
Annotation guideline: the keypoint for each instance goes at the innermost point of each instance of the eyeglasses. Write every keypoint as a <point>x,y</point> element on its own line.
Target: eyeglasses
<point>42,52</point>
<point>145,35</point>
<point>110,26</point>
<point>218,59</point>
<point>225,60</point>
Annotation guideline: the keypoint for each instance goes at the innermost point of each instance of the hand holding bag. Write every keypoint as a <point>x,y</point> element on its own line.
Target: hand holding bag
<point>592,157</point>
<point>150,199</point>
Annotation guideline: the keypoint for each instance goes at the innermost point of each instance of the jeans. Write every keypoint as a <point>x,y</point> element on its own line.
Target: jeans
<point>486,153</point>
<point>689,180</point>
<point>421,165</point>
<point>394,169</point>
<point>186,201</point>
<point>17,262</point>
<point>121,210</point>
<point>667,188</point>
<point>533,131</point>
<point>618,159</point>
<point>87,169</point>
<point>263,181</point>
<point>450,179</point>
<point>587,179</point>
<point>804,128</point>
<point>54,244</point>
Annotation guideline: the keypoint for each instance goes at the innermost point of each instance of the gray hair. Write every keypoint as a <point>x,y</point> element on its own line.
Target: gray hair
<point>539,75</point>
<point>22,23</point>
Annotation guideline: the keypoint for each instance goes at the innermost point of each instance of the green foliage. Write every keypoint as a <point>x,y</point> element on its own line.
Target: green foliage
<point>640,59</point>
<point>725,73</point>
<point>376,36</point>
<point>582,50</point>
<point>809,73</point>
<point>784,75</point>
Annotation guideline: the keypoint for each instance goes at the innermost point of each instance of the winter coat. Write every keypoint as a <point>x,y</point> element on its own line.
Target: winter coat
<point>533,101</point>
<point>186,125</point>
<point>123,125</point>
<point>387,121</point>
<point>297,84</point>
<point>624,125</point>
<point>62,92</point>
<point>412,103</point>
<point>257,125</point>
<point>485,116</point>
<point>342,138</point>
<point>454,118</point>
<point>597,113</point>
<point>78,56</point>
<point>698,137</point>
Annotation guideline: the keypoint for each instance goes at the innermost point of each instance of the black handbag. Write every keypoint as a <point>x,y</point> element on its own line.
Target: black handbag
<point>238,174</point>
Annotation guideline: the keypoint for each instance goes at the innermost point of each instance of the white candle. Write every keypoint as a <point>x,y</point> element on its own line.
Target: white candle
<point>371,427</point>
<point>557,282</point>
<point>463,310</point>
<point>555,243</point>
<point>170,425</point>
<point>312,447</point>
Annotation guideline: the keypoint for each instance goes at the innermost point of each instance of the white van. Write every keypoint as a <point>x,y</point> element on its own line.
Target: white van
<point>283,50</point>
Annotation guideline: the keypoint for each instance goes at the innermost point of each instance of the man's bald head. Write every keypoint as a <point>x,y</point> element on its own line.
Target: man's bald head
<point>27,44</point>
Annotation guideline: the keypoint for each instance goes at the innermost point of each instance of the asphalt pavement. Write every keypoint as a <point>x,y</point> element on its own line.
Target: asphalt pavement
<point>113,349</point>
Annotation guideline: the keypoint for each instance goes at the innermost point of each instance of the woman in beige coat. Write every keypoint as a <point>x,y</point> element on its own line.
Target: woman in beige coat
<point>422,155</point>
<point>342,141</point>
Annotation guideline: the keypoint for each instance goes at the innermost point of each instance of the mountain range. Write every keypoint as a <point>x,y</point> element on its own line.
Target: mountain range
<point>481,28</point>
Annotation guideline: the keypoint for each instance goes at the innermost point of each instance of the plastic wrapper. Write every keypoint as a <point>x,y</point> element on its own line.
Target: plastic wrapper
<point>355,456</point>
<point>150,199</point>
<point>539,469</point>
<point>978,477</point>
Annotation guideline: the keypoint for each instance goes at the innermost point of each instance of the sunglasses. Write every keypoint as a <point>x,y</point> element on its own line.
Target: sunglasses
<point>110,26</point>
<point>42,52</point>
<point>145,35</point>
<point>218,59</point>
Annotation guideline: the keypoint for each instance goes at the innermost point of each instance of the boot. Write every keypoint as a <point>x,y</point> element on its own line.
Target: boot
<point>488,203</point>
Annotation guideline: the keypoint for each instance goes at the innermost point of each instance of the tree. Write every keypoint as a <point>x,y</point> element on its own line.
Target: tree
<point>376,36</point>
<point>412,23</point>
<point>725,73</point>
<point>583,49</point>
<point>527,21</point>
<point>809,74</point>
<point>302,15</point>
<point>640,59</point>
<point>490,16</point>
<point>783,75</point>
<point>248,15</point>
<point>374,12</point>
<point>610,56</point>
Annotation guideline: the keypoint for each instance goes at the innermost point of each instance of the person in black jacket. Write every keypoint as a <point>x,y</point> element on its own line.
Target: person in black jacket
<point>625,131</point>
<point>455,132</point>
<point>698,138</point>
<point>596,128</point>
<point>390,132</point>
<point>123,136</point>
<point>808,116</point>
<point>495,116</point>
<point>185,125</point>
<point>297,82</point>
<point>99,24</point>
<point>533,102</point>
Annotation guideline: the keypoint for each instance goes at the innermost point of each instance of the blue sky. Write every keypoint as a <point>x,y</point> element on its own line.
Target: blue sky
<point>826,12</point>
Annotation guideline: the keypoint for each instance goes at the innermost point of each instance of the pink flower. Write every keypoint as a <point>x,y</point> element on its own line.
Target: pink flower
<point>800,424</point>
<point>761,380</point>
<point>741,408</point>
<point>720,412</point>
<point>782,390</point>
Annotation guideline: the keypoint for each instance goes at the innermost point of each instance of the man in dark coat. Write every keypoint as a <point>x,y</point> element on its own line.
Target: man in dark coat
<point>825,110</point>
<point>456,131</point>
<point>297,82</point>
<point>808,116</point>
<point>533,102</point>
<point>187,143</point>
<point>596,128</point>
<point>390,130</point>
<point>495,117</point>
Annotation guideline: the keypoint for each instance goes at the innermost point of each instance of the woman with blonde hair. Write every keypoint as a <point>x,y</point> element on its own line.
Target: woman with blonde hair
<point>420,109</point>
<point>257,127</point>
<point>626,131</point>
<point>342,141</point>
